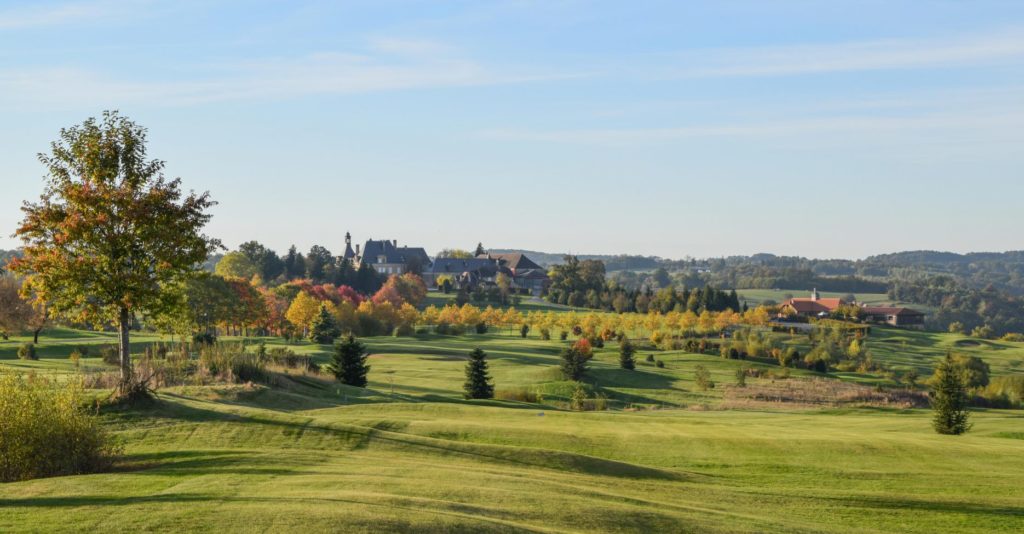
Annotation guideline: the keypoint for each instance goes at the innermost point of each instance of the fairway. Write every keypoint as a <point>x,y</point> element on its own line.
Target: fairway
<point>409,454</point>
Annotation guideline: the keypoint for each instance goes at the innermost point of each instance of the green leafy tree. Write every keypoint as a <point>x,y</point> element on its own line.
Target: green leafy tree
<point>324,327</point>
<point>949,400</point>
<point>348,363</point>
<point>110,234</point>
<point>478,382</point>
<point>627,355</point>
<point>236,265</point>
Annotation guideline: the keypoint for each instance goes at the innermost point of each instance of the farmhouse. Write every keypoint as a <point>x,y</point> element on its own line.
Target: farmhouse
<point>895,316</point>
<point>815,306</point>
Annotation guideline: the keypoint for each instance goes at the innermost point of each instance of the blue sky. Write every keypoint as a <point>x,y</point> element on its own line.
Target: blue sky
<point>823,129</point>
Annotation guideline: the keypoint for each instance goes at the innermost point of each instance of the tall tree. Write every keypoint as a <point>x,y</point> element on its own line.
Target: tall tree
<point>317,262</point>
<point>269,264</point>
<point>949,400</point>
<point>480,250</point>
<point>294,264</point>
<point>348,363</point>
<point>109,233</point>
<point>478,381</point>
<point>236,265</point>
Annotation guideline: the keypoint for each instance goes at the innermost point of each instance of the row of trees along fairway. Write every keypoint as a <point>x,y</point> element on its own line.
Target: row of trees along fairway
<point>110,233</point>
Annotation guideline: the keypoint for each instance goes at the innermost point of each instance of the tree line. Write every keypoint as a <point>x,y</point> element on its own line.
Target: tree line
<point>582,283</point>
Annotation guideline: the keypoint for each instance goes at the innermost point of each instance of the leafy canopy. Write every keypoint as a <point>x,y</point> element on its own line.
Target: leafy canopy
<point>109,232</point>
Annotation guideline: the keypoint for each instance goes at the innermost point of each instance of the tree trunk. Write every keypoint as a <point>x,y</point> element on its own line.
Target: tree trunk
<point>35,335</point>
<point>124,351</point>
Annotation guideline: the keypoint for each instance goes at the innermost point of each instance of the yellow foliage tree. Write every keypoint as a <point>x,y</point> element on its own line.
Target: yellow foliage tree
<point>302,310</point>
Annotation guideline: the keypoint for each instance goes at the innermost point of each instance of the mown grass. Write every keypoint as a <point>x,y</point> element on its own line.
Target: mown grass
<point>409,454</point>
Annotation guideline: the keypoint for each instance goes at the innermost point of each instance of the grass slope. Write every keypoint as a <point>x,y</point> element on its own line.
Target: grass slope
<point>408,454</point>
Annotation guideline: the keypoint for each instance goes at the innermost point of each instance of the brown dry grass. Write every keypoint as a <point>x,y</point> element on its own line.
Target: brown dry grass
<point>818,393</point>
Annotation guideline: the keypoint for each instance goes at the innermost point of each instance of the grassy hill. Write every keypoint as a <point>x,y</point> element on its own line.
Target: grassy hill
<point>409,454</point>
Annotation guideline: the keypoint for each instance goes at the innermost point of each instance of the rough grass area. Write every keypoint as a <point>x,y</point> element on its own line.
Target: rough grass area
<point>817,393</point>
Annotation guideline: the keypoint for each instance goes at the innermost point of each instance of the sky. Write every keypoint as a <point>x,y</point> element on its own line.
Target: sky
<point>822,129</point>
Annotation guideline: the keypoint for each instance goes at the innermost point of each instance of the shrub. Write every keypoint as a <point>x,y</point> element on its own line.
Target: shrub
<point>626,355</point>
<point>75,357</point>
<point>287,358</point>
<point>403,330</point>
<point>519,394</point>
<point>27,352</point>
<point>578,400</point>
<point>1005,391</point>
<point>545,333</point>
<point>741,377</point>
<point>659,364</point>
<point>563,335</point>
<point>524,330</point>
<point>1014,337</point>
<point>230,363</point>
<point>110,355</point>
<point>649,358</point>
<point>44,431</point>
<point>481,328</point>
<point>703,378</point>
<point>204,338</point>
<point>83,351</point>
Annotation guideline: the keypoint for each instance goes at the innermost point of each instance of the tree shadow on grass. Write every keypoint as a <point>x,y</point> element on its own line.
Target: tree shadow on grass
<point>355,437</point>
<point>951,507</point>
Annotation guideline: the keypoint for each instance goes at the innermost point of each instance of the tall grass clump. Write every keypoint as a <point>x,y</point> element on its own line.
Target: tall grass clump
<point>231,363</point>
<point>46,431</point>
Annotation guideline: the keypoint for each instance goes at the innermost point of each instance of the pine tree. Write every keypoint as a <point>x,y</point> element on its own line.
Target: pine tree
<point>348,363</point>
<point>324,328</point>
<point>626,355</point>
<point>949,401</point>
<point>480,250</point>
<point>574,363</point>
<point>478,382</point>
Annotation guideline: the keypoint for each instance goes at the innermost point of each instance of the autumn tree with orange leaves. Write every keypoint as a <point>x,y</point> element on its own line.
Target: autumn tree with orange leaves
<point>110,235</point>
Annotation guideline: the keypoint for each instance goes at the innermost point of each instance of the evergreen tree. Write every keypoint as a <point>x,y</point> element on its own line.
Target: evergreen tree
<point>478,382</point>
<point>949,401</point>
<point>574,362</point>
<point>324,328</point>
<point>479,250</point>
<point>626,355</point>
<point>348,363</point>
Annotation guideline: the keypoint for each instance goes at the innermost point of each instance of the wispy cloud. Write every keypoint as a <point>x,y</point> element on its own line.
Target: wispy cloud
<point>390,66</point>
<point>962,123</point>
<point>847,57</point>
<point>41,14</point>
